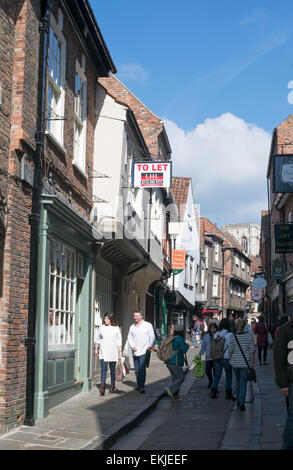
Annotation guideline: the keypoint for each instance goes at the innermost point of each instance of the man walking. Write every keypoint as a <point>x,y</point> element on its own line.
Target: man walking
<point>141,339</point>
<point>283,363</point>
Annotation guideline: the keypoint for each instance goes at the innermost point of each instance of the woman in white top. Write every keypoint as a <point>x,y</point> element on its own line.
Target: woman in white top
<point>108,348</point>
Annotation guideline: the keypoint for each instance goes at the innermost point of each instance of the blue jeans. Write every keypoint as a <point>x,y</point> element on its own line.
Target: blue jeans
<point>241,384</point>
<point>288,429</point>
<point>140,370</point>
<point>177,378</point>
<point>104,368</point>
<point>219,365</point>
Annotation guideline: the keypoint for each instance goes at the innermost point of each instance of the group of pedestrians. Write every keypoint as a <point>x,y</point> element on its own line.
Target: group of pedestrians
<point>237,357</point>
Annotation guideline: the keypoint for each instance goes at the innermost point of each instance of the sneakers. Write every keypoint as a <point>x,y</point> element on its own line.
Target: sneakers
<point>168,391</point>
<point>141,390</point>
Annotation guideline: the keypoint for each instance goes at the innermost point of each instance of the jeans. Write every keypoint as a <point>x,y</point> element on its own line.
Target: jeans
<point>210,370</point>
<point>140,370</point>
<point>177,378</point>
<point>288,429</point>
<point>104,368</point>
<point>264,348</point>
<point>221,364</point>
<point>241,384</point>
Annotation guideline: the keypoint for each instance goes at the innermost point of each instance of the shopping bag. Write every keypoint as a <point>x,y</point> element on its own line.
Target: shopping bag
<point>198,370</point>
<point>121,370</point>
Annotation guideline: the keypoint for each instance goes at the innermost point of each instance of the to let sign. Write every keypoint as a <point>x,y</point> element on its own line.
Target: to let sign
<point>283,238</point>
<point>151,174</point>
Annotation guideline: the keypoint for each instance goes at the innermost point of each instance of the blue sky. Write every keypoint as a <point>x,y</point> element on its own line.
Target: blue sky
<point>191,61</point>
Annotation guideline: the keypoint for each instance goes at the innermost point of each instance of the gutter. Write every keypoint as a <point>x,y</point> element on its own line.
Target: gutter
<point>30,340</point>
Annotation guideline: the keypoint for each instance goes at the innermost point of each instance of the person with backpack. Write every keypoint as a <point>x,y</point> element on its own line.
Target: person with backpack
<point>205,349</point>
<point>176,362</point>
<point>241,351</point>
<point>220,355</point>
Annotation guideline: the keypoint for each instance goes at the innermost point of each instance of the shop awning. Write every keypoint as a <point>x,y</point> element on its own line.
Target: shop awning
<point>210,310</point>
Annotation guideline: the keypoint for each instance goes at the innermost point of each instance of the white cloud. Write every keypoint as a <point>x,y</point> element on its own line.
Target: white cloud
<point>258,15</point>
<point>133,72</point>
<point>227,160</point>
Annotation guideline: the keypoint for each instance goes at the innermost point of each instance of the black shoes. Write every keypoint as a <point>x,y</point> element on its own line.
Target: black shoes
<point>213,393</point>
<point>229,395</point>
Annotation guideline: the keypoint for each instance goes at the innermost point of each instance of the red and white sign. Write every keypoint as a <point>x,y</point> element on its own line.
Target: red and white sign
<point>151,174</point>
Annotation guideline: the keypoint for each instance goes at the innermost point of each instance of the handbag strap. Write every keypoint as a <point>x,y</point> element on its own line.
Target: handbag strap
<point>241,351</point>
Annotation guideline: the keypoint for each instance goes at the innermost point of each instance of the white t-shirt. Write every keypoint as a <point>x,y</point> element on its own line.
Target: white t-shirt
<point>109,339</point>
<point>141,337</point>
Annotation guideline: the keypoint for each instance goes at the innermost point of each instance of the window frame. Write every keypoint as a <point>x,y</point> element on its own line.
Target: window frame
<point>55,127</point>
<point>80,121</point>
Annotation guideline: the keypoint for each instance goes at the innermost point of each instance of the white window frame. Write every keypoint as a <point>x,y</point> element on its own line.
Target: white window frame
<point>216,252</point>
<point>80,119</point>
<point>62,296</point>
<point>206,257</point>
<point>55,122</point>
<point>215,285</point>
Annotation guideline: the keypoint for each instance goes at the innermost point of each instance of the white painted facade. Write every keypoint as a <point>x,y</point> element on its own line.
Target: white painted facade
<point>247,235</point>
<point>120,211</point>
<point>188,239</point>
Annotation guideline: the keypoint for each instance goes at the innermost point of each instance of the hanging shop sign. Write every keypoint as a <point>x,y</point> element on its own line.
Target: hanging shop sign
<point>257,294</point>
<point>283,238</point>
<point>277,271</point>
<point>178,261</point>
<point>151,174</point>
<point>283,173</point>
<point>259,282</point>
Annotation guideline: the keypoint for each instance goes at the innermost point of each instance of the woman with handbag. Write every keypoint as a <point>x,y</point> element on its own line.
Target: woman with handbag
<point>108,349</point>
<point>241,351</point>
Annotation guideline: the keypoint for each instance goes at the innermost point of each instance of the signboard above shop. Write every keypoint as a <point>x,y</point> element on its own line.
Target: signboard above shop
<point>178,261</point>
<point>151,174</point>
<point>283,238</point>
<point>283,173</point>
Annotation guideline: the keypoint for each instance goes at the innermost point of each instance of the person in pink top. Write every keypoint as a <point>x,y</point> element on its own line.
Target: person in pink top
<point>261,330</point>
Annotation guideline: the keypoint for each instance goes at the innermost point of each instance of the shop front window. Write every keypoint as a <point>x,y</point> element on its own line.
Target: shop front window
<point>62,295</point>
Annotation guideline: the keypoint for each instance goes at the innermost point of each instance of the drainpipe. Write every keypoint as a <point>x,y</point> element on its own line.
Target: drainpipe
<point>30,340</point>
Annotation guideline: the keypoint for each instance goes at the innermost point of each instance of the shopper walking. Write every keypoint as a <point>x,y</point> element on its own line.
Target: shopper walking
<point>141,339</point>
<point>261,330</point>
<point>241,340</point>
<point>205,349</point>
<point>224,362</point>
<point>196,329</point>
<point>176,363</point>
<point>283,364</point>
<point>108,348</point>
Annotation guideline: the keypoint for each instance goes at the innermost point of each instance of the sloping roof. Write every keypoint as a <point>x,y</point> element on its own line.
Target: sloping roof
<point>151,126</point>
<point>180,188</point>
<point>228,239</point>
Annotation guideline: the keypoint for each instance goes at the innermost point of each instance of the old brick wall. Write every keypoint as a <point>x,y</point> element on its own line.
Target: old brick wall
<point>19,30</point>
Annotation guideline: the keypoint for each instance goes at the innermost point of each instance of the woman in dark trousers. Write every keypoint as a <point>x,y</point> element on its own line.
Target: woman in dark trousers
<point>205,348</point>
<point>261,330</point>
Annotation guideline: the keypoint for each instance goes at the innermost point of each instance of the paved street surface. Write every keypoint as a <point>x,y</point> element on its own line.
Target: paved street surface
<point>130,420</point>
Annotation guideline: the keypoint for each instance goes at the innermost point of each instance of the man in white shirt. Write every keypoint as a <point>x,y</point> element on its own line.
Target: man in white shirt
<point>141,339</point>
